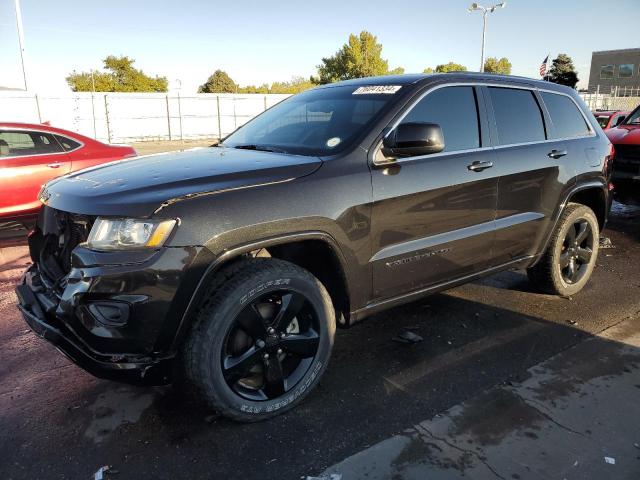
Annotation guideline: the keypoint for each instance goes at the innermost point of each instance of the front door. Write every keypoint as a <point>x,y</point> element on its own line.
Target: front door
<point>433,215</point>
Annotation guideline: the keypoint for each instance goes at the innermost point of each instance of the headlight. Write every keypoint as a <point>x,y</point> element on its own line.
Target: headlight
<point>128,233</point>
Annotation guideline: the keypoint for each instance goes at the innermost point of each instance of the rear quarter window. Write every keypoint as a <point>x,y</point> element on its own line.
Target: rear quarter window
<point>66,143</point>
<point>565,115</point>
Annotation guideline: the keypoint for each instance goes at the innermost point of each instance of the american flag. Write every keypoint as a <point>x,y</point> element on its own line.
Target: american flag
<point>543,66</point>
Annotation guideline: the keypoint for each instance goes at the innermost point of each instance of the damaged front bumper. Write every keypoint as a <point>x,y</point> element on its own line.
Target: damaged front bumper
<point>34,302</point>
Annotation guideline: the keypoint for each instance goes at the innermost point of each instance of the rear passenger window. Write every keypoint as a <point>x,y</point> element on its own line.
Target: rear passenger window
<point>518,116</point>
<point>19,144</point>
<point>565,115</point>
<point>456,111</point>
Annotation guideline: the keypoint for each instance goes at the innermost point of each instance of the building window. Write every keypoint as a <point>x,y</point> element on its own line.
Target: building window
<point>606,72</point>
<point>625,70</point>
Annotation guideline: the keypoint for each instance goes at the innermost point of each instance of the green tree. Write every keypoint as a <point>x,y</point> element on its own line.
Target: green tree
<point>120,76</point>
<point>450,67</point>
<point>296,85</point>
<point>446,68</point>
<point>396,71</point>
<point>264,88</point>
<point>563,72</point>
<point>501,66</point>
<point>219,82</point>
<point>360,57</point>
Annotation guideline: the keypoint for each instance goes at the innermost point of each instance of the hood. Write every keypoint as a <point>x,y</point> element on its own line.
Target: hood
<point>139,186</point>
<point>624,135</point>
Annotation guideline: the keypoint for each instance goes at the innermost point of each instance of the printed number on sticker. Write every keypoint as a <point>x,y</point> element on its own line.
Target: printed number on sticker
<point>377,89</point>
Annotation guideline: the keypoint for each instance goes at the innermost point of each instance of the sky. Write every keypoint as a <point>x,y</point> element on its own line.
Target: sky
<point>261,42</point>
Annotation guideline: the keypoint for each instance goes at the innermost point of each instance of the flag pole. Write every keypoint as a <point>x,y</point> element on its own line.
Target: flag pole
<point>546,70</point>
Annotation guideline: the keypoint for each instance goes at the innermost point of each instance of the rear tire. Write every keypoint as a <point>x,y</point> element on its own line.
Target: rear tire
<point>261,341</point>
<point>568,262</point>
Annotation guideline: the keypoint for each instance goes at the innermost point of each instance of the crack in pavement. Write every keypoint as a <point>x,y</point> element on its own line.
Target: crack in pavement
<point>460,449</point>
<point>540,409</point>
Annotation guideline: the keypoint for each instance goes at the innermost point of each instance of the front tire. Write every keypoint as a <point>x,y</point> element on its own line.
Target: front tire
<point>262,340</point>
<point>567,264</point>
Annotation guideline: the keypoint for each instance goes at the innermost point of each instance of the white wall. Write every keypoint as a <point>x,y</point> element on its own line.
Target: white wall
<point>127,117</point>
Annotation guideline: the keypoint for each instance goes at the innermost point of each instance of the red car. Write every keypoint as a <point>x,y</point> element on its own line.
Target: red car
<point>610,118</point>
<point>626,165</point>
<point>31,155</point>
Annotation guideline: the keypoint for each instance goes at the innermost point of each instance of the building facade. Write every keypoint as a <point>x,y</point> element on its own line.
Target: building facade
<point>615,70</point>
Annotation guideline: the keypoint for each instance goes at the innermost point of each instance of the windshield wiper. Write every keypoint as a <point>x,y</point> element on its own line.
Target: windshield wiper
<point>261,148</point>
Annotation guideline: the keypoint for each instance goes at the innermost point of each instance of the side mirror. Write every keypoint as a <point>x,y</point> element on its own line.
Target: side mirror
<point>413,139</point>
<point>619,120</point>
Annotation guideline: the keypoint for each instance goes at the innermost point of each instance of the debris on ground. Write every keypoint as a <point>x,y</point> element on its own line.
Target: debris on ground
<point>605,242</point>
<point>572,322</point>
<point>610,460</point>
<point>408,336</point>
<point>99,475</point>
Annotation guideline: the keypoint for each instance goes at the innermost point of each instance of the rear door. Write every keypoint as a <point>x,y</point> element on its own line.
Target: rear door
<point>28,159</point>
<point>535,161</point>
<point>433,215</point>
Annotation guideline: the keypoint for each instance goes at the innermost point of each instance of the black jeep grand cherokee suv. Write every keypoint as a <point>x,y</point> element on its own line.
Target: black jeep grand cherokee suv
<point>233,264</point>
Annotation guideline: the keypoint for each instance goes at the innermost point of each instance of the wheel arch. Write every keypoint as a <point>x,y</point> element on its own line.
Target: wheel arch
<point>593,194</point>
<point>326,263</point>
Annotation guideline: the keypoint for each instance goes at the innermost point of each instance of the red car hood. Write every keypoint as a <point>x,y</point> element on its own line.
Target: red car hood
<point>624,135</point>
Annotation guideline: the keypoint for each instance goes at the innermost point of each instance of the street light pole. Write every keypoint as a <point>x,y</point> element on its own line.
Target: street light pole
<point>485,11</point>
<point>20,40</point>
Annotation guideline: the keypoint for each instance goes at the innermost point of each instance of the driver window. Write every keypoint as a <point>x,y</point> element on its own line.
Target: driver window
<point>455,110</point>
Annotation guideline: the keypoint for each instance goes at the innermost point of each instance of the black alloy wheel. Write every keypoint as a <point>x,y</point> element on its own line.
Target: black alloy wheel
<point>570,257</point>
<point>262,339</point>
<point>577,250</point>
<point>271,345</point>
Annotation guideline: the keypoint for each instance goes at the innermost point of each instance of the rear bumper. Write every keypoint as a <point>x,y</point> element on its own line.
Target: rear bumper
<point>135,369</point>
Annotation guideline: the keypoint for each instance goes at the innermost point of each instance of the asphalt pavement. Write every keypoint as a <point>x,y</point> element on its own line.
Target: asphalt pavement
<point>500,365</point>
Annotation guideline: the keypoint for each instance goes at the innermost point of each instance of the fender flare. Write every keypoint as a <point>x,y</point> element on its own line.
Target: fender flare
<point>576,188</point>
<point>230,254</point>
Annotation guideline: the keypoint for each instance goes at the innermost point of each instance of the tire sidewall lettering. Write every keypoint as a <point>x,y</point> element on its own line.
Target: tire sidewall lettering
<point>262,287</point>
<point>292,397</point>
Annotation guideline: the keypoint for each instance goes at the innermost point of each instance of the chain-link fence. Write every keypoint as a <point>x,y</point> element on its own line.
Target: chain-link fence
<point>128,117</point>
<point>615,98</point>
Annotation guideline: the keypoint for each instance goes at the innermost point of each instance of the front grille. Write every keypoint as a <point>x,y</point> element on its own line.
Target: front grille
<point>58,234</point>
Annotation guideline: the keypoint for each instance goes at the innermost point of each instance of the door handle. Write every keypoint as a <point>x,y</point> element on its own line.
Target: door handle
<point>478,166</point>
<point>54,165</point>
<point>556,153</point>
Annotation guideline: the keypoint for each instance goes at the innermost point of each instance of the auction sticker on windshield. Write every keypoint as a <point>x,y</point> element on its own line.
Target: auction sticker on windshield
<point>377,89</point>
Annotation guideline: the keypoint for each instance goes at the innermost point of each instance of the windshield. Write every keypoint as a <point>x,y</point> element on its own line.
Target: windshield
<point>320,122</point>
<point>634,118</point>
<point>602,120</point>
